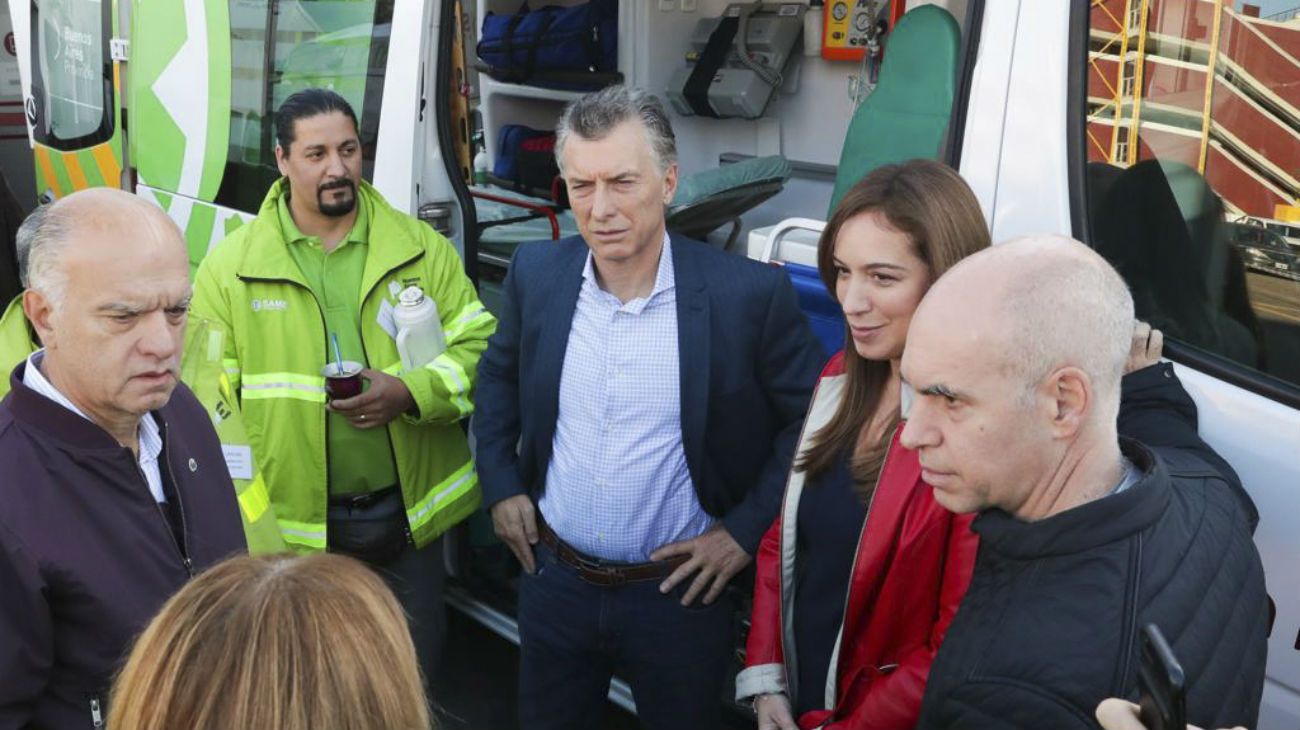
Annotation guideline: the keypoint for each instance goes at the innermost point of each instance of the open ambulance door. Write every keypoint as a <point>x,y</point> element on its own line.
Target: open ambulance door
<point>1092,118</point>
<point>207,75</point>
<point>71,89</point>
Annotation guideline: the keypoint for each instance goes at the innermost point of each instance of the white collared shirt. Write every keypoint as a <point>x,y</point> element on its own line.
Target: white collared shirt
<point>150,437</point>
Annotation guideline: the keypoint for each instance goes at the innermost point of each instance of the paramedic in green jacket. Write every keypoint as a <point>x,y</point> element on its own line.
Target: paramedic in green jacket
<point>17,338</point>
<point>381,475</point>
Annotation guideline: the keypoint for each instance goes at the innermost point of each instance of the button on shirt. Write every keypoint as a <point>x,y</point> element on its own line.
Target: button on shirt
<point>618,487</point>
<point>150,437</point>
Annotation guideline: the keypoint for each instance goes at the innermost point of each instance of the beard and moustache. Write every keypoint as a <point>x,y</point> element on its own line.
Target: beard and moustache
<point>338,208</point>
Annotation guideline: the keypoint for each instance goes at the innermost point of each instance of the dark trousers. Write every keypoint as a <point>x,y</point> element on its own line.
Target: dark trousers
<point>574,636</point>
<point>416,576</point>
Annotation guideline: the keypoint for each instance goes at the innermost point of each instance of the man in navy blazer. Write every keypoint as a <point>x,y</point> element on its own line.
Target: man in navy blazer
<point>630,410</point>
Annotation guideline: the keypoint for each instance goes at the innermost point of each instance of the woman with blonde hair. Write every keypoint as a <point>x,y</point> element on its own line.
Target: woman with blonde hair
<point>275,643</point>
<point>863,571</point>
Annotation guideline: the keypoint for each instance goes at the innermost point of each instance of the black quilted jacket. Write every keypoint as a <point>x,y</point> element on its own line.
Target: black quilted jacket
<point>1050,624</point>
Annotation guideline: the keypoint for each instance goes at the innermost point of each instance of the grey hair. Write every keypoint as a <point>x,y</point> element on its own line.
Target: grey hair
<point>23,239</point>
<point>1070,309</point>
<point>594,115</point>
<point>47,233</point>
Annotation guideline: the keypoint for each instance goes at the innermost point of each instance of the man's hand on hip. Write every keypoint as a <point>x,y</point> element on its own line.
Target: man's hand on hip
<point>514,519</point>
<point>715,556</point>
<point>385,399</point>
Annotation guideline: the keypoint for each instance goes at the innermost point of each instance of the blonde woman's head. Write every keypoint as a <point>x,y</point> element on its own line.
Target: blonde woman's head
<point>291,643</point>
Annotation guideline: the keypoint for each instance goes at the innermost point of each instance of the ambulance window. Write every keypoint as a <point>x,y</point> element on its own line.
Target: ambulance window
<point>72,77</point>
<point>278,47</point>
<point>1192,175</point>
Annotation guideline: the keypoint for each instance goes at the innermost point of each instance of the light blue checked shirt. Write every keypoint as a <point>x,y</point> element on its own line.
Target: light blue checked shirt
<point>618,487</point>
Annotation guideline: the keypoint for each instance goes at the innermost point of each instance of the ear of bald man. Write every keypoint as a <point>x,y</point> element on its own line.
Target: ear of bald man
<point>1074,397</point>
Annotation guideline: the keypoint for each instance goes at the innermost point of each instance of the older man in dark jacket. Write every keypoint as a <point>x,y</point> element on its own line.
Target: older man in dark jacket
<point>1016,356</point>
<point>115,490</point>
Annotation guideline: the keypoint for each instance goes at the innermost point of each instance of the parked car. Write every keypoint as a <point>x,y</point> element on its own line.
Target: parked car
<point>1266,252</point>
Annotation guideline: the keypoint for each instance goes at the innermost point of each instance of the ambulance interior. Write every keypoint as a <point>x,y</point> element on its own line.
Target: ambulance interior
<point>765,172</point>
<point>1184,118</point>
<point>757,142</point>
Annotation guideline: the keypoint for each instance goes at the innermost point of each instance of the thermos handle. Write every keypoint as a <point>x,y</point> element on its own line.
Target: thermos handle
<point>402,336</point>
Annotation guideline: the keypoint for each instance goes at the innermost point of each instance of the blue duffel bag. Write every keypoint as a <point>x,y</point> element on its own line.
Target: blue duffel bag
<point>528,166</point>
<point>527,44</point>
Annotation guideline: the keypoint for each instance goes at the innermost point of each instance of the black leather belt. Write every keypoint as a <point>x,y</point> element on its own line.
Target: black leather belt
<point>602,573</point>
<point>362,501</point>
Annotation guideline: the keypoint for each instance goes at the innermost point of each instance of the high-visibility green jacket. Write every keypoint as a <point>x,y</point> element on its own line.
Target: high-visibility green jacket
<point>202,369</point>
<point>278,345</point>
<point>16,341</point>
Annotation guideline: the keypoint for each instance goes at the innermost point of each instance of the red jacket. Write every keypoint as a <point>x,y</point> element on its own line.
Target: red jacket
<point>912,567</point>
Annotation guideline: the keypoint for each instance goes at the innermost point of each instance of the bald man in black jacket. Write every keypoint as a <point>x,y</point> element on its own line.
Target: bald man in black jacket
<point>1016,355</point>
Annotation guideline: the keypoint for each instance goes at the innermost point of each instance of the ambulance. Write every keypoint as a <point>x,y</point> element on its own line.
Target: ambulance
<point>1190,109</point>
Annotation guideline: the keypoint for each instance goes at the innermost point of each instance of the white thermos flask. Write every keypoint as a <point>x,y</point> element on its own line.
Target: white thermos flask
<point>419,329</point>
<point>812,28</point>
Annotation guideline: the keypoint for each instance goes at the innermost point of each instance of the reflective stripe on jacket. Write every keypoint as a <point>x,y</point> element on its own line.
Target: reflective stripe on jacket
<point>202,370</point>
<point>278,346</point>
